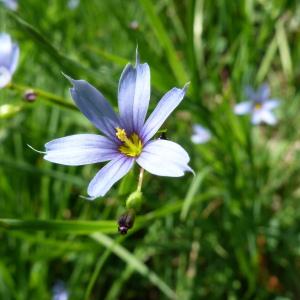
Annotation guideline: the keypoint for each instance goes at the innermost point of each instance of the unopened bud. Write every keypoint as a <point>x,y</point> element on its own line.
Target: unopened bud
<point>30,95</point>
<point>126,221</point>
<point>134,201</point>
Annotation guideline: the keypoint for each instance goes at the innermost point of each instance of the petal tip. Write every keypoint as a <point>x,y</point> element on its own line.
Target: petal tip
<point>137,56</point>
<point>38,151</point>
<point>92,195</point>
<point>89,198</point>
<point>189,169</point>
<point>68,78</point>
<point>185,87</point>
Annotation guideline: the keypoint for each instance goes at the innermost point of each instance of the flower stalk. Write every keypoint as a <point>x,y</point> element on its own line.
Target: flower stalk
<point>54,99</point>
<point>141,178</point>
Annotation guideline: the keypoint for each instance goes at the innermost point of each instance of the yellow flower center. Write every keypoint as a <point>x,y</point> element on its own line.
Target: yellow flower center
<point>131,146</point>
<point>257,106</point>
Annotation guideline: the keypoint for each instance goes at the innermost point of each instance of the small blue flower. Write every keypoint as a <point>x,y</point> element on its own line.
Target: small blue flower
<point>9,56</point>
<point>73,4</point>
<point>200,135</point>
<point>59,291</point>
<point>10,4</point>
<point>126,136</point>
<point>259,105</point>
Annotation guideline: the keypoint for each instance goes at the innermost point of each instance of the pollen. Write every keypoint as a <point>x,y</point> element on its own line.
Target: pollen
<point>132,145</point>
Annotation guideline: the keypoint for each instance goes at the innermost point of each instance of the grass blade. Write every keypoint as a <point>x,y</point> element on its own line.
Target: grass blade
<point>191,193</point>
<point>78,227</point>
<point>284,50</point>
<point>135,263</point>
<point>163,37</point>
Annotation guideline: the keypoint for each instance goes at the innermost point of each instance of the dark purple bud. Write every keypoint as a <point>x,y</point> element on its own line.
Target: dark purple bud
<point>126,221</point>
<point>30,95</point>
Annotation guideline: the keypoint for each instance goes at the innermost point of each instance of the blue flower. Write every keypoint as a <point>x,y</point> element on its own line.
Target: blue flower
<point>126,136</point>
<point>60,292</point>
<point>259,105</point>
<point>9,56</point>
<point>73,4</point>
<point>200,135</point>
<point>10,4</point>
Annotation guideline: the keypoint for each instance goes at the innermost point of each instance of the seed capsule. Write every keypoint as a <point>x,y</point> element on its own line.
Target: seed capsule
<point>134,201</point>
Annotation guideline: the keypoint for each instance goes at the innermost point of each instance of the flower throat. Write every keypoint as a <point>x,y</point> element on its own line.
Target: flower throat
<point>132,145</point>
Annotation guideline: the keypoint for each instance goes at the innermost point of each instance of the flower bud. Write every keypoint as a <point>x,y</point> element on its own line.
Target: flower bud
<point>30,95</point>
<point>126,221</point>
<point>134,201</point>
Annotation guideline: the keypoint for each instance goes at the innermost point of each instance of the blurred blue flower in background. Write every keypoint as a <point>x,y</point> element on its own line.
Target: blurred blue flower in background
<point>9,56</point>
<point>59,291</point>
<point>10,4</point>
<point>200,134</point>
<point>73,4</point>
<point>259,105</point>
<point>127,135</point>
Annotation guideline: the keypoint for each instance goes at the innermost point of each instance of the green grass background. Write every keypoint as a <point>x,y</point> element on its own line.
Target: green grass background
<point>230,232</point>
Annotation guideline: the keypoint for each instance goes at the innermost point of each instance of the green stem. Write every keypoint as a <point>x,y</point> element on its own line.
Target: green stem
<point>53,99</point>
<point>141,178</point>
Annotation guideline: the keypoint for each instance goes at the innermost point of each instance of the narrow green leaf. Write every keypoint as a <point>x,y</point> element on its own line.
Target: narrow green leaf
<point>104,226</point>
<point>191,193</point>
<point>118,60</point>
<point>69,66</point>
<point>26,167</point>
<point>175,19</point>
<point>100,263</point>
<point>47,242</point>
<point>7,281</point>
<point>117,286</point>
<point>284,50</point>
<point>158,80</point>
<point>162,36</point>
<point>135,263</point>
<point>267,61</point>
<point>78,227</point>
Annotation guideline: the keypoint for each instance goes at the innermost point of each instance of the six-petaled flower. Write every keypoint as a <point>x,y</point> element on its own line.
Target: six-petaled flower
<point>9,55</point>
<point>126,136</point>
<point>10,4</point>
<point>259,105</point>
<point>200,134</point>
<point>59,291</point>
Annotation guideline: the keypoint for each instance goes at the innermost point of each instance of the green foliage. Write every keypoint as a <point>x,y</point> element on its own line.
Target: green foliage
<point>230,232</point>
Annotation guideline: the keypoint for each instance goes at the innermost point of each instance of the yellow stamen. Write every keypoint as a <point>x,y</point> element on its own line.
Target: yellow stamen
<point>257,106</point>
<point>132,146</point>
